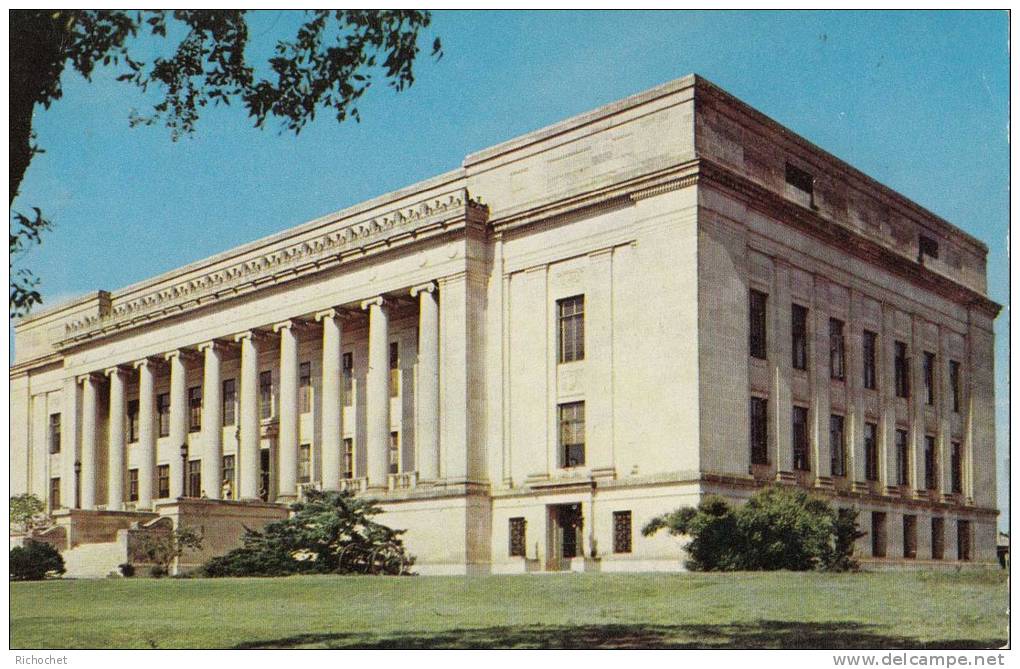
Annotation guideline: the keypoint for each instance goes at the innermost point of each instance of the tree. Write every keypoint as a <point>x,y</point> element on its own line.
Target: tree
<point>162,549</point>
<point>328,65</point>
<point>28,513</point>
<point>778,528</point>
<point>328,533</point>
<point>34,561</point>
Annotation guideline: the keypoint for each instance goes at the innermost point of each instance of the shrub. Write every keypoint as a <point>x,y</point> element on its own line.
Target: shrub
<point>778,528</point>
<point>34,561</point>
<point>127,570</point>
<point>163,549</point>
<point>330,532</point>
<point>28,513</point>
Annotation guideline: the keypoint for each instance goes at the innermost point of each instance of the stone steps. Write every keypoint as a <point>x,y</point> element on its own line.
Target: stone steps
<point>94,560</point>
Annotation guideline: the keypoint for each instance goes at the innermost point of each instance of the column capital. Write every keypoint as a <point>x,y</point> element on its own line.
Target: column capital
<point>184,354</point>
<point>217,344</point>
<point>429,287</point>
<point>89,377</point>
<point>253,335</point>
<point>379,300</point>
<point>116,370</point>
<point>332,312</point>
<point>149,361</point>
<point>295,325</point>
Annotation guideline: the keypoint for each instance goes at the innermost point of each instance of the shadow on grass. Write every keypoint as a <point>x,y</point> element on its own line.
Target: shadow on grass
<point>760,634</point>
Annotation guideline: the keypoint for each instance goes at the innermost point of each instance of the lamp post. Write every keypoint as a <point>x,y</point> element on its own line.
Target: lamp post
<point>77,484</point>
<point>184,469</point>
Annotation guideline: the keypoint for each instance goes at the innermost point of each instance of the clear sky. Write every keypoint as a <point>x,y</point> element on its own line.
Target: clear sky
<point>917,100</point>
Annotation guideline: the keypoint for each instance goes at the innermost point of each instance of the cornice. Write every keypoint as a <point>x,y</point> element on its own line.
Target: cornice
<point>285,262</point>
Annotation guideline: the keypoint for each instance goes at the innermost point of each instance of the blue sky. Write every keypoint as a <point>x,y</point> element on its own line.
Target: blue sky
<point>918,100</point>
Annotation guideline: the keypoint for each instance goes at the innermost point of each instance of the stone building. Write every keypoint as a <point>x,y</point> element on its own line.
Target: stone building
<point>528,357</point>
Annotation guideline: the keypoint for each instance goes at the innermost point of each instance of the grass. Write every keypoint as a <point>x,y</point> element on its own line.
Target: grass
<point>743,610</point>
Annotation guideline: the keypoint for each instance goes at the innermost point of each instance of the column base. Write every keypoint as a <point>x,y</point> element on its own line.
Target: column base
<point>824,482</point>
<point>787,478</point>
<point>860,486</point>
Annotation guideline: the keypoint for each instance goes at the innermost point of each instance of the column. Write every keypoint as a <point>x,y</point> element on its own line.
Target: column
<point>377,390</point>
<point>69,429</point>
<point>178,421</point>
<point>212,420</point>
<point>331,402</point>
<point>943,410</point>
<point>115,472</point>
<point>89,467</point>
<point>287,441</point>
<point>780,359</point>
<point>819,368</point>
<point>887,398</point>
<point>427,393</point>
<point>917,406</point>
<point>248,425</point>
<point>598,363</point>
<point>146,433</point>
<point>855,393</point>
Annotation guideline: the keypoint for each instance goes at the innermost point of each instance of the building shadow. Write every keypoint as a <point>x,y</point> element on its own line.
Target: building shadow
<point>762,634</point>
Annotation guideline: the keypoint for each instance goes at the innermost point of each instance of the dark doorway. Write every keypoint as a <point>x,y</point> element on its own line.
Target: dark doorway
<point>569,524</point>
<point>264,461</point>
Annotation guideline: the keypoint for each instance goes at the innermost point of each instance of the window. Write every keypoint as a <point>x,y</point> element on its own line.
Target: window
<point>954,384</point>
<point>304,463</point>
<point>394,452</point>
<point>572,434</point>
<point>837,445</point>
<point>132,414</point>
<point>938,538</point>
<point>910,536</point>
<point>837,350</point>
<point>394,369</point>
<point>798,321</point>
<point>518,537</point>
<point>54,493</point>
<point>163,478</point>
<point>927,246</point>
<point>800,439</point>
<point>229,402</point>
<point>571,319</point>
<point>963,539</point>
<point>195,409</point>
<point>348,373</point>
<point>871,451</point>
<point>870,345</point>
<point>758,314</point>
<point>929,378</point>
<point>163,413</point>
<point>305,387</point>
<point>227,487</point>
<point>348,472</point>
<point>132,485</point>
<point>902,458</point>
<point>878,534</point>
<point>929,462</point>
<point>265,395</point>
<point>621,531</point>
<point>759,431</point>
<point>194,478</point>
<point>956,467</point>
<point>800,179</point>
<point>902,369</point>
<point>54,433</point>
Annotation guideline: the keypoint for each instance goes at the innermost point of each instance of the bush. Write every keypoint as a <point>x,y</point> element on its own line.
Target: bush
<point>778,528</point>
<point>328,533</point>
<point>34,561</point>
<point>127,570</point>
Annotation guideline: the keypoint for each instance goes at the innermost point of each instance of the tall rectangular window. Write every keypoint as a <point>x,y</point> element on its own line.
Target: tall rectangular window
<point>901,366</point>
<point>801,461</point>
<point>195,409</point>
<point>870,348</point>
<point>132,416</point>
<point>54,493</point>
<point>954,384</point>
<point>265,395</point>
<point>518,537</point>
<point>910,536</point>
<point>902,458</point>
<point>304,463</point>
<point>757,319</point>
<point>305,387</point>
<point>163,414</point>
<point>871,451</point>
<point>837,445</point>
<point>348,471</point>
<point>837,350</point>
<point>929,463</point>
<point>570,313</point>
<point>348,374</point>
<point>194,478</point>
<point>621,532</point>
<point>963,540</point>
<point>929,378</point>
<point>132,485</point>
<point>163,481</point>
<point>54,433</point>
<point>956,466</point>
<point>227,486</point>
<point>394,452</point>
<point>394,369</point>
<point>229,402</point>
<point>759,431</point>
<point>938,538</point>
<point>572,434</point>
<point>878,534</point>
<point>798,323</point>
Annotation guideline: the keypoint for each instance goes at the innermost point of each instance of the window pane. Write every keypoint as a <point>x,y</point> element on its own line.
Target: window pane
<point>621,532</point>
<point>229,402</point>
<point>518,537</point>
<point>572,434</point>
<point>869,343</point>
<point>798,322</point>
<point>801,460</point>
<point>757,331</point>
<point>571,328</point>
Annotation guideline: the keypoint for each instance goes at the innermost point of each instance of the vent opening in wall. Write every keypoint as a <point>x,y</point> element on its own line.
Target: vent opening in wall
<point>802,181</point>
<point>926,246</point>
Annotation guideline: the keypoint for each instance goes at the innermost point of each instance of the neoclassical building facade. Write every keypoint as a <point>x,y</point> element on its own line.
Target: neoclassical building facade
<point>527,358</point>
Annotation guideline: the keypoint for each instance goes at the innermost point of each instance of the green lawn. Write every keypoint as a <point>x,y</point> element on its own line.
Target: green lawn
<point>759,610</point>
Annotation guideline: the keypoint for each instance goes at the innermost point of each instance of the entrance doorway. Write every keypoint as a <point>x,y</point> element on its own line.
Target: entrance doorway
<point>264,477</point>
<point>567,524</point>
